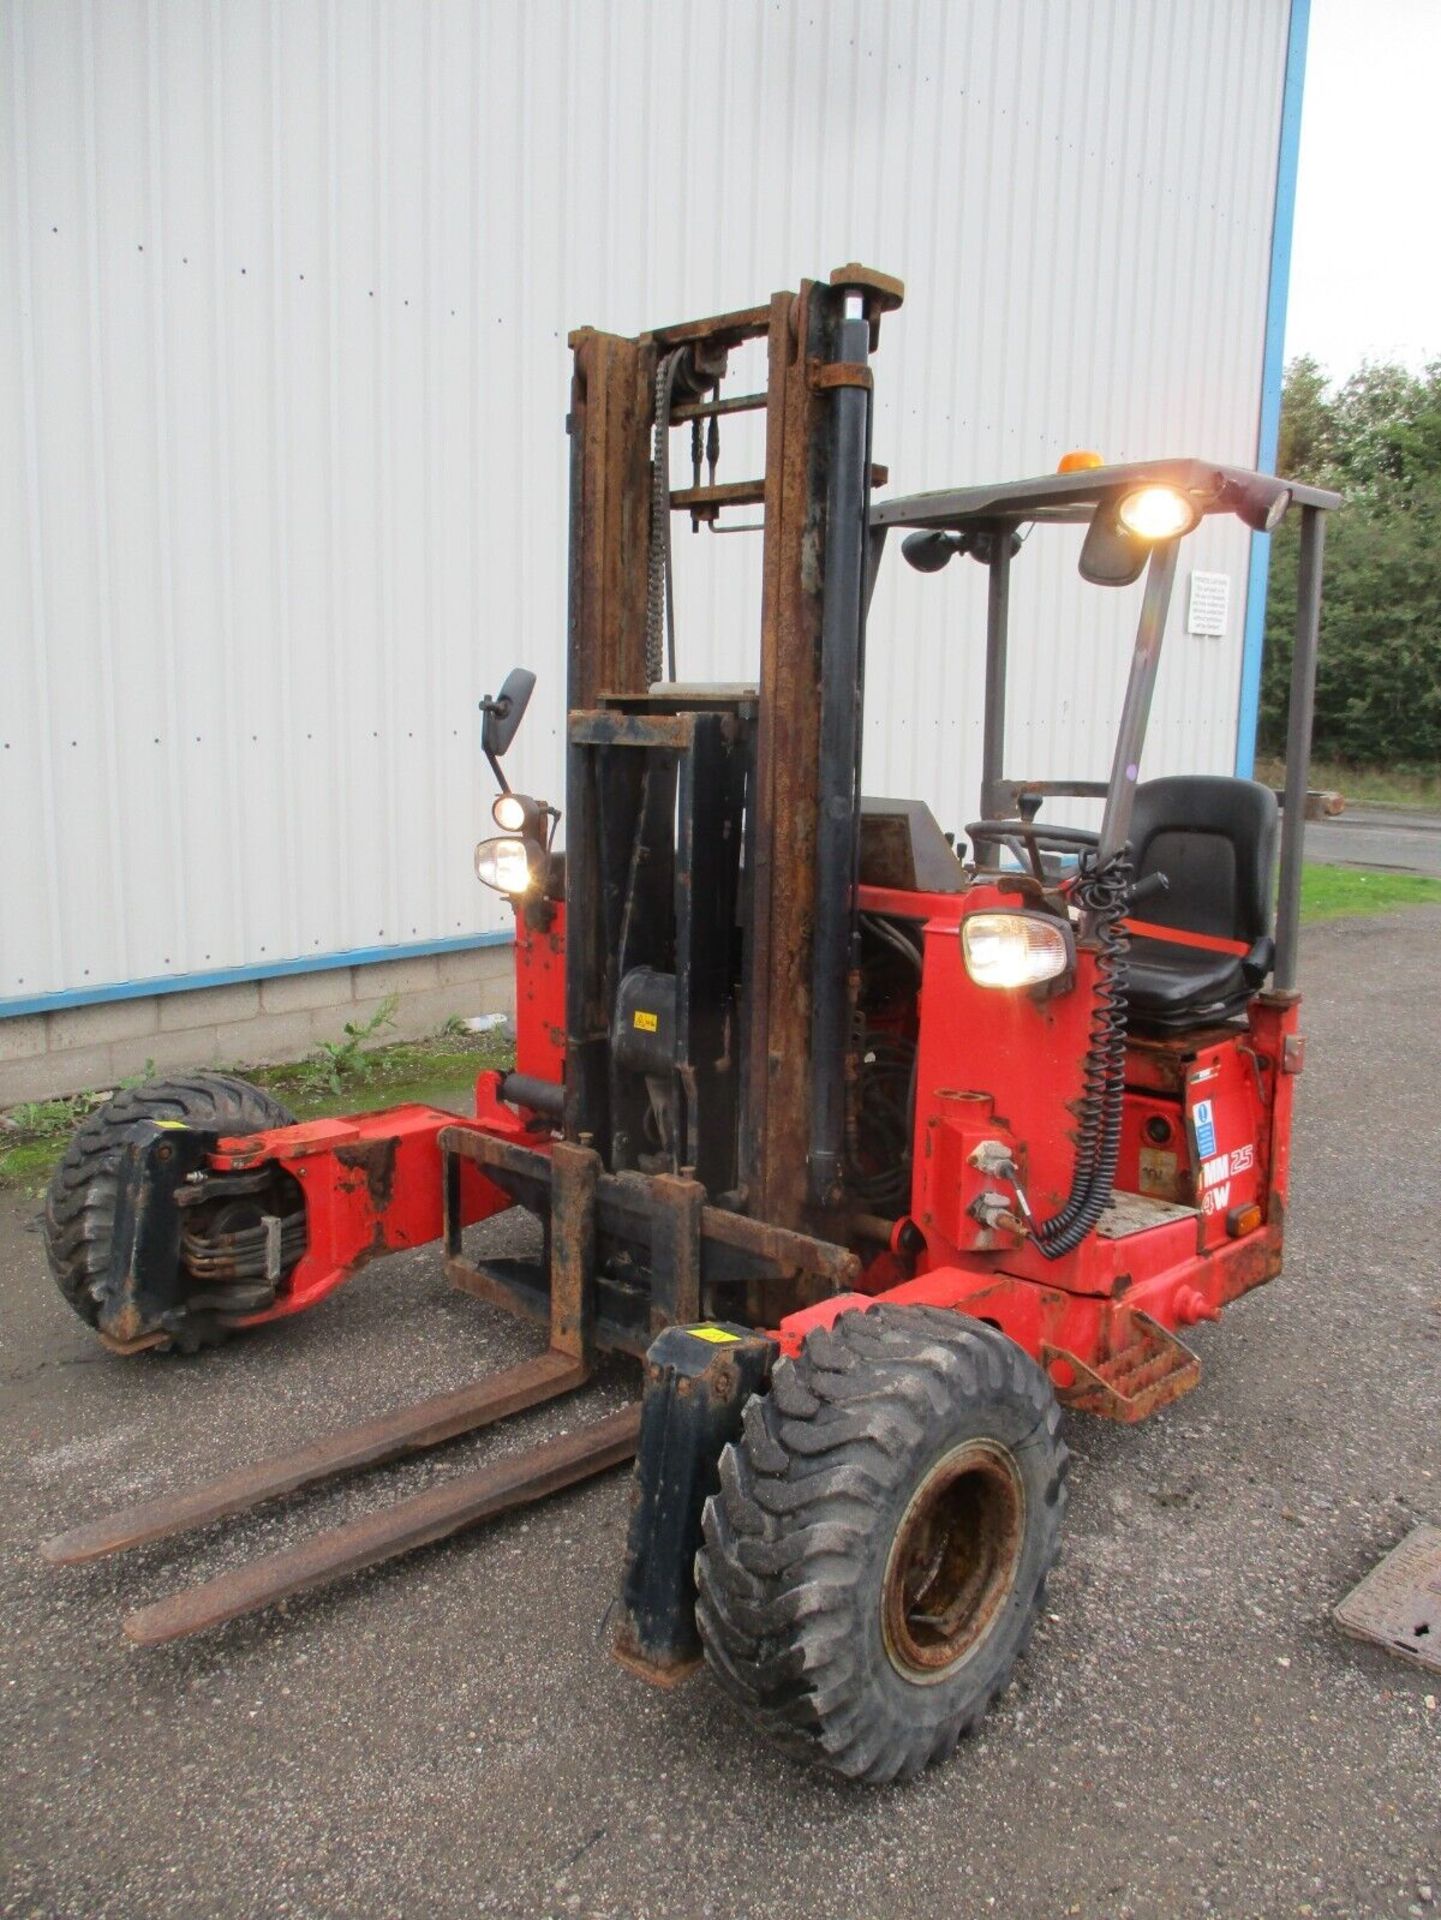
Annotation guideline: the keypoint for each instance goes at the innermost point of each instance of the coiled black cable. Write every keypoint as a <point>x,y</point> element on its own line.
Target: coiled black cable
<point>878,1143</point>
<point>881,1106</point>
<point>1103,893</point>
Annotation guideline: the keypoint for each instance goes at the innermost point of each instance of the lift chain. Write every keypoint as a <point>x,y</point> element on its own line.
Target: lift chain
<point>660,592</point>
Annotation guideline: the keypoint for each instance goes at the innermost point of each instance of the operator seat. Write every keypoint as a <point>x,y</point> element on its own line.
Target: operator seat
<point>1215,841</point>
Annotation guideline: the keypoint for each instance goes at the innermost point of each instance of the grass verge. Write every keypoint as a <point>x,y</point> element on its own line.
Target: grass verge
<point>1339,893</point>
<point>438,1072</point>
<point>1418,788</point>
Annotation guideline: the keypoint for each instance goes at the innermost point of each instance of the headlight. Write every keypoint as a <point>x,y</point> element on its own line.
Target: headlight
<point>1273,514</point>
<point>1259,502</point>
<point>1015,949</point>
<point>516,813</point>
<point>1156,513</point>
<point>510,866</point>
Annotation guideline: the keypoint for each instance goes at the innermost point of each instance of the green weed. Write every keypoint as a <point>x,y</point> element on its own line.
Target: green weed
<point>338,1064</point>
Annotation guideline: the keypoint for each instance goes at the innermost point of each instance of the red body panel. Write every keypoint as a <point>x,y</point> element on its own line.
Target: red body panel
<point>540,996</point>
<point>372,1185</point>
<point>991,1065</point>
<point>1207,1126</point>
<point>1207,1123</point>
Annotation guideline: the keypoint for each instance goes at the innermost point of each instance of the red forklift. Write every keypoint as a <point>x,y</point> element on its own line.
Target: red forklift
<point>875,1146</point>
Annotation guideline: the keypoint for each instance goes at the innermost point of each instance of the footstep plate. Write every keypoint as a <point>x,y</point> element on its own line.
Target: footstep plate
<point>1398,1604</point>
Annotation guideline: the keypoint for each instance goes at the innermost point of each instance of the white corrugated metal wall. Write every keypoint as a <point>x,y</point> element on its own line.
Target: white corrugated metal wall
<point>283,375</point>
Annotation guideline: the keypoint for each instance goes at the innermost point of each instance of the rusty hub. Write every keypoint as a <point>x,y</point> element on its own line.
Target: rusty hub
<point>953,1561</point>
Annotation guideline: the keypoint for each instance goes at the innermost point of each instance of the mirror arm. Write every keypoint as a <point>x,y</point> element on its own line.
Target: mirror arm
<point>500,779</point>
<point>500,707</point>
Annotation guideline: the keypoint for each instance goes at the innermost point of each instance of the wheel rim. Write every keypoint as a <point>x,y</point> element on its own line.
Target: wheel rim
<point>953,1561</point>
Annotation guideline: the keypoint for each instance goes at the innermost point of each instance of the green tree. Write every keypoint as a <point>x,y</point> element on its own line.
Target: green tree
<point>1304,447</point>
<point>1377,440</point>
<point>1386,434</point>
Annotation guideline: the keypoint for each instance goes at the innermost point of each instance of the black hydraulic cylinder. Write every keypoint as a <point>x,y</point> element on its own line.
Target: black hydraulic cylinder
<point>843,604</point>
<point>698,1380</point>
<point>527,1090</point>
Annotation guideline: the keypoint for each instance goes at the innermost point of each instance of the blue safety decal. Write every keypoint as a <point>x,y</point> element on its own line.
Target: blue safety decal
<point>1205,1129</point>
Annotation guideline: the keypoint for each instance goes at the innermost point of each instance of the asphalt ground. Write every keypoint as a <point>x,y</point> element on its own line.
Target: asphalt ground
<point>1377,837</point>
<point>448,1736</point>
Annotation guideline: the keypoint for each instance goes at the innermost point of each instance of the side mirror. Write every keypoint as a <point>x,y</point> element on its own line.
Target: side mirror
<point>1110,556</point>
<point>929,550</point>
<point>505,712</point>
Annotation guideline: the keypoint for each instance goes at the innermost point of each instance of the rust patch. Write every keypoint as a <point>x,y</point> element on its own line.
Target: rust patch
<point>1149,1372</point>
<point>141,1343</point>
<point>1398,1604</point>
<point>375,1160</point>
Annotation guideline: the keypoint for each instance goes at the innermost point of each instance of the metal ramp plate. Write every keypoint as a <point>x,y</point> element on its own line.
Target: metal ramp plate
<point>1398,1604</point>
<point>1131,1213</point>
<point>1150,1371</point>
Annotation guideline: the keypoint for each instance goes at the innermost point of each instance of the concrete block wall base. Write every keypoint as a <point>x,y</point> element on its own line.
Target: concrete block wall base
<point>252,1023</point>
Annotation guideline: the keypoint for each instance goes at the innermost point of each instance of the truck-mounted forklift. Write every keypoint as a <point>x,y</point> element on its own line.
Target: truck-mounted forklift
<point>873,1148</point>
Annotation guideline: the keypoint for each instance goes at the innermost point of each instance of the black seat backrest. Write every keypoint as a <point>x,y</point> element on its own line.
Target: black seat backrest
<point>1215,841</point>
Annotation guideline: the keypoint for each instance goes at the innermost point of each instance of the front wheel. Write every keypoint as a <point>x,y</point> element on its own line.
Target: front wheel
<point>877,1554</point>
<point>80,1206</point>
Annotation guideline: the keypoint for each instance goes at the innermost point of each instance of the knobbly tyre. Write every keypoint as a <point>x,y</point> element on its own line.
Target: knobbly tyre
<point>874,1155</point>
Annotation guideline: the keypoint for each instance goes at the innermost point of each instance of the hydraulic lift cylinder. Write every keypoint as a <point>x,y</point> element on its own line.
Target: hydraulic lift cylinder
<point>837,836</point>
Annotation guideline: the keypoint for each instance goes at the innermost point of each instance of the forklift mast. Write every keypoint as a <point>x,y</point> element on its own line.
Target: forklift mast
<point>713,832</point>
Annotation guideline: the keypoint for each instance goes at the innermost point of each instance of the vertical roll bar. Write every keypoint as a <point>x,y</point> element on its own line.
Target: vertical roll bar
<point>1145,663</point>
<point>998,614</point>
<point>1298,745</point>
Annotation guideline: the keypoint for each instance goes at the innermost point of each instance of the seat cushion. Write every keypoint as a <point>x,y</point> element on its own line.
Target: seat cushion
<point>1167,980</point>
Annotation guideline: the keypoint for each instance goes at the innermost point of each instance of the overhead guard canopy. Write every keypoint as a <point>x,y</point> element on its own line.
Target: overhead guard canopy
<point>1073,497</point>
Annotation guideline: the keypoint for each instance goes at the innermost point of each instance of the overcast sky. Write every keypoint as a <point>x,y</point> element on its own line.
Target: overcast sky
<point>1366,261</point>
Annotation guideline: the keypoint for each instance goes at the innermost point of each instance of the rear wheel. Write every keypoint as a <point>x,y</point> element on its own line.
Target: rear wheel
<point>80,1204</point>
<point>877,1555</point>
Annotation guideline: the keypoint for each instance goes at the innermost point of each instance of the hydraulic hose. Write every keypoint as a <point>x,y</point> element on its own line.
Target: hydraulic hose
<point>1103,893</point>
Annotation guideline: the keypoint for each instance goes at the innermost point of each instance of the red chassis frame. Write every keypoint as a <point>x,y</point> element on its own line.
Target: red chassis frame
<point>1206,1141</point>
<point>373,1182</point>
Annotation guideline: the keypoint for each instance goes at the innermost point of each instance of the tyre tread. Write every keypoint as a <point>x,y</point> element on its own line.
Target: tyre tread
<point>784,1537</point>
<point>81,1198</point>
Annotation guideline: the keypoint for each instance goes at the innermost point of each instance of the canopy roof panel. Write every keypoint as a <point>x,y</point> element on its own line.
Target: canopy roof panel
<point>1073,497</point>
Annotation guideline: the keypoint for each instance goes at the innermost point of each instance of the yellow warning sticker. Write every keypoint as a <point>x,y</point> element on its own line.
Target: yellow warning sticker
<point>648,1022</point>
<point>173,1126</point>
<point>718,1336</point>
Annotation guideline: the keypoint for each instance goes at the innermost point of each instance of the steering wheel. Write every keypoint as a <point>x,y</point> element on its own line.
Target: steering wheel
<point>1026,837</point>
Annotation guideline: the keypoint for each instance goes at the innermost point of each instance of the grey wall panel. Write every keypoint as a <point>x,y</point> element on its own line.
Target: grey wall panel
<point>283,376</point>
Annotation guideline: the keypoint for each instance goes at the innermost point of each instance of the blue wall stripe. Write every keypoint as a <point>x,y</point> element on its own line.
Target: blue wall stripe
<point>229,976</point>
<point>1273,373</point>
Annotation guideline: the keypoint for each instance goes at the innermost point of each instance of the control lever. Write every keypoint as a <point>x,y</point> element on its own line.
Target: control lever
<point>995,1160</point>
<point>1150,885</point>
<point>1028,805</point>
